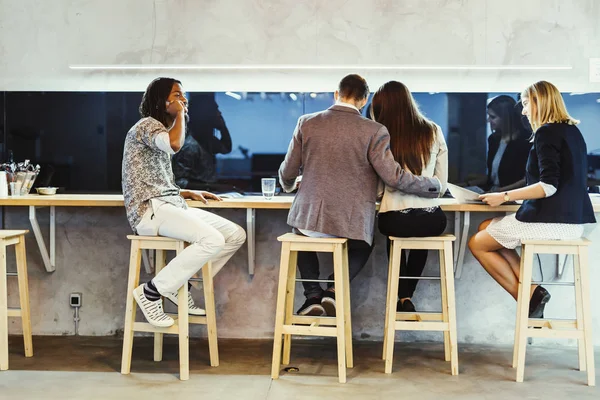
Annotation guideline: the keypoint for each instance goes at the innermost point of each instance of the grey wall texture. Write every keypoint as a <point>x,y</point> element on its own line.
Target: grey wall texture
<point>92,258</point>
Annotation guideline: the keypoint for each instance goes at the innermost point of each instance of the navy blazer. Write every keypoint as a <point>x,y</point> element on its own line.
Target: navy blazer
<point>513,162</point>
<point>558,157</point>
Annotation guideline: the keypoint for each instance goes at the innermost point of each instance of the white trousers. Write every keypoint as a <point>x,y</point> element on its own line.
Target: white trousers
<point>211,237</point>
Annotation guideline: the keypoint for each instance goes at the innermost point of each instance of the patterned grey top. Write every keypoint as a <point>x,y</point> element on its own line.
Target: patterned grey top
<point>147,171</point>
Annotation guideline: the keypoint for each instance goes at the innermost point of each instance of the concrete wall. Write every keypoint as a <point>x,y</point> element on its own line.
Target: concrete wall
<point>92,258</point>
<point>39,40</point>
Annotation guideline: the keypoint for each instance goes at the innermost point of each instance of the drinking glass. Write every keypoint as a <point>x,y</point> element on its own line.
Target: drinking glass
<point>268,187</point>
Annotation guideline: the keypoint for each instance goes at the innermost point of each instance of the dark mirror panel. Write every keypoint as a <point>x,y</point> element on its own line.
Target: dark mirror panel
<point>235,139</point>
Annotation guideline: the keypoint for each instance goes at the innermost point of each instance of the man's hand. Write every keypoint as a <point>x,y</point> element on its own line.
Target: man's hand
<point>492,199</point>
<point>199,195</point>
<point>177,107</point>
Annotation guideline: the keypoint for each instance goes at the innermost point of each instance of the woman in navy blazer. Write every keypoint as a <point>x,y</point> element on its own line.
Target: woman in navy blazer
<point>556,204</point>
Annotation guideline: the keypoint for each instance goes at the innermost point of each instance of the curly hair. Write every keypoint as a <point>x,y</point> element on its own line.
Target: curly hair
<point>155,98</point>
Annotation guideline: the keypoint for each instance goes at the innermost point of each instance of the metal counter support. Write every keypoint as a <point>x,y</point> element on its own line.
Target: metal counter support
<point>49,261</point>
<point>250,228</point>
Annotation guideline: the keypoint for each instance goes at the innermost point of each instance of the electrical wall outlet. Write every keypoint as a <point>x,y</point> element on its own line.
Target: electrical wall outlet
<point>75,299</point>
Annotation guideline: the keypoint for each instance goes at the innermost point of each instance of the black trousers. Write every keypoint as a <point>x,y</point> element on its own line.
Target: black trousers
<point>308,265</point>
<point>416,223</point>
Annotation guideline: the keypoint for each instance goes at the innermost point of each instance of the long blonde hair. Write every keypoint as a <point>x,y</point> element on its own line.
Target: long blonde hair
<point>546,105</point>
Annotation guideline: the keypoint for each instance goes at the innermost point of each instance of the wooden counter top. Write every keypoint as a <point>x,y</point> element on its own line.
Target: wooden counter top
<point>256,202</point>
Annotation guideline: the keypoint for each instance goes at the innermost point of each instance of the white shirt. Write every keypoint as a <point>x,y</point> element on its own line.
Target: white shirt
<point>163,142</point>
<point>341,103</point>
<point>394,200</point>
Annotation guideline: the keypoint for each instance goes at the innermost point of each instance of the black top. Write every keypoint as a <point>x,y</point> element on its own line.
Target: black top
<point>513,160</point>
<point>559,158</point>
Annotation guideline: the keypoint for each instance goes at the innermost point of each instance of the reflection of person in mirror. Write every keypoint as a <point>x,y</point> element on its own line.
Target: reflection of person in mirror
<point>195,165</point>
<point>508,147</point>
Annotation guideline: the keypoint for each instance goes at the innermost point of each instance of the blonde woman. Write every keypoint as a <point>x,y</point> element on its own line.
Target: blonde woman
<point>556,204</point>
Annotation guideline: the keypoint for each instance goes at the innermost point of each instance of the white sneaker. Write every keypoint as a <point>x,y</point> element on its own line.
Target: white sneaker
<point>153,310</point>
<point>193,309</point>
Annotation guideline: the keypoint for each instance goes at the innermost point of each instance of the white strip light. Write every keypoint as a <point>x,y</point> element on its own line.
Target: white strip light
<point>283,67</point>
<point>234,95</point>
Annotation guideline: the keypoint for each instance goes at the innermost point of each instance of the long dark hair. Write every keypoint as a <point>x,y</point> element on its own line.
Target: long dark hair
<point>411,134</point>
<point>505,107</point>
<point>155,99</point>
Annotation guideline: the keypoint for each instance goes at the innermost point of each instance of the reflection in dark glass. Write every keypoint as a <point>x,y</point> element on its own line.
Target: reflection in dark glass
<point>234,139</point>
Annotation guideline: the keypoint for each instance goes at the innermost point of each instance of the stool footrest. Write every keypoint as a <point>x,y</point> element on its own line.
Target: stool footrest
<point>14,312</point>
<point>422,316</point>
<point>308,320</point>
<point>554,328</point>
<point>309,330</point>
<point>147,327</point>
<point>555,333</point>
<point>421,326</point>
<point>193,319</point>
<point>553,323</point>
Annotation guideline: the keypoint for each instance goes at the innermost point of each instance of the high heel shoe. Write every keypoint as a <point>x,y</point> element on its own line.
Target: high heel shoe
<point>405,306</point>
<point>538,302</point>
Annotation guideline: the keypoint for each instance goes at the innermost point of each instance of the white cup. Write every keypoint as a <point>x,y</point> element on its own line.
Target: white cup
<point>3,184</point>
<point>268,187</point>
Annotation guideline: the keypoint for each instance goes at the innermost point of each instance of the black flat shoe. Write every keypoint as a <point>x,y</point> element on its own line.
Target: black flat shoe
<point>538,302</point>
<point>407,306</point>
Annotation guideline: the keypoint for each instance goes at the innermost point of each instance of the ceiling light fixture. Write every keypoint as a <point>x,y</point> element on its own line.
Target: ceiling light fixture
<point>283,67</point>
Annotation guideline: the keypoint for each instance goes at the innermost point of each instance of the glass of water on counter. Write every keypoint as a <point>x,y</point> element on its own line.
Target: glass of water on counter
<point>268,187</point>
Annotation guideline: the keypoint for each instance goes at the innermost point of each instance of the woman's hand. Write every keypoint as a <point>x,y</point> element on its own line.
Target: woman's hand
<point>492,199</point>
<point>199,195</point>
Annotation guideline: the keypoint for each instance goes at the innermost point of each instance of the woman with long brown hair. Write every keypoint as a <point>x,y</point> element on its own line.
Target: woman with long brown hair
<point>418,145</point>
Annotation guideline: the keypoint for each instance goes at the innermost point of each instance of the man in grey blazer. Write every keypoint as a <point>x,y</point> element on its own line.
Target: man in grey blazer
<point>342,156</point>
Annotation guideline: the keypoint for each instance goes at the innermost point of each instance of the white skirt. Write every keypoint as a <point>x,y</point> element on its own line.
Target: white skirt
<point>509,231</point>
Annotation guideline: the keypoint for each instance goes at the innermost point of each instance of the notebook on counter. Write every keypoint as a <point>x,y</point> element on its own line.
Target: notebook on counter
<point>463,195</point>
<point>230,195</point>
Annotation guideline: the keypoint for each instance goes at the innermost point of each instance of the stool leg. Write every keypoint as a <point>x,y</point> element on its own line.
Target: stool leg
<point>388,301</point>
<point>24,295</point>
<point>3,311</point>
<point>338,277</point>
<point>451,304</point>
<point>184,329</point>
<point>135,260</point>
<point>445,318</point>
<point>390,332</point>
<point>211,314</point>
<point>347,307</point>
<point>158,337</point>
<point>523,306</point>
<point>518,318</point>
<point>579,311</point>
<point>280,311</point>
<point>587,315</point>
<point>289,305</point>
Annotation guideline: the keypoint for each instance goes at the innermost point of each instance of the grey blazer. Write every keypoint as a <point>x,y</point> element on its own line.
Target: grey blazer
<point>342,156</point>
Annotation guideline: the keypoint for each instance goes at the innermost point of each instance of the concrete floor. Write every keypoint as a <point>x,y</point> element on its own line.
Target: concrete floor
<point>88,368</point>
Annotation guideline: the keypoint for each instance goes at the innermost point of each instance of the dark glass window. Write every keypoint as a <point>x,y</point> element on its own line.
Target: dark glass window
<point>234,139</point>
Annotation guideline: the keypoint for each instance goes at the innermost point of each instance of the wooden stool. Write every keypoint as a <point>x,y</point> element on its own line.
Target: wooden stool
<point>579,328</point>
<point>422,321</point>
<point>287,324</point>
<point>8,238</point>
<point>182,318</point>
